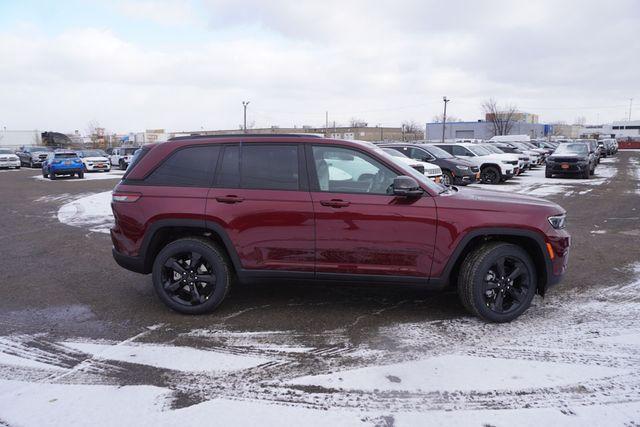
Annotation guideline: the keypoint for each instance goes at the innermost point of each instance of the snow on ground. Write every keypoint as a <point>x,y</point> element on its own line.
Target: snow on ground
<point>92,212</point>
<point>88,176</point>
<point>459,373</point>
<point>184,359</point>
<point>533,182</point>
<point>571,360</point>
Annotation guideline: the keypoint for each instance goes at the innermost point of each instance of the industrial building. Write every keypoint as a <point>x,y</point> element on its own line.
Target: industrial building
<point>483,129</point>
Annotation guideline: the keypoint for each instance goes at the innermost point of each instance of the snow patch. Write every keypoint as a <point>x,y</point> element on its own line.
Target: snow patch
<point>185,359</point>
<point>92,212</point>
<point>459,373</point>
<point>88,176</point>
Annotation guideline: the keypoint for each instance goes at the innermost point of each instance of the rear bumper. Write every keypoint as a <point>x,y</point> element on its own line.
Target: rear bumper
<point>9,163</point>
<point>135,264</point>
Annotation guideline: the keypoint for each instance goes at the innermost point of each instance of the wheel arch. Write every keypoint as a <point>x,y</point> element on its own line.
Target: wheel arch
<point>165,231</point>
<point>532,242</point>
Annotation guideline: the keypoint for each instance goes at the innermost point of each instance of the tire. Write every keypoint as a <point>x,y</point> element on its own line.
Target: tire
<point>490,175</point>
<point>586,174</point>
<point>213,260</point>
<point>547,173</point>
<point>31,163</point>
<point>52,176</point>
<point>447,178</point>
<point>473,281</point>
<point>44,174</point>
<point>122,165</point>
<point>81,174</point>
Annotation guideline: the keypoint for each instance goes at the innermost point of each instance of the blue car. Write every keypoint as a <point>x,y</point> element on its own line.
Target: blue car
<point>62,163</point>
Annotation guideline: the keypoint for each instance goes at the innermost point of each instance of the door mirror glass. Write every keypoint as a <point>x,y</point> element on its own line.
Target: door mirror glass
<point>406,186</point>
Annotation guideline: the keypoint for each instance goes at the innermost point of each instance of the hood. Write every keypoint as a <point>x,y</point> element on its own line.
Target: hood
<point>570,155</point>
<point>460,161</point>
<point>95,159</point>
<point>501,201</point>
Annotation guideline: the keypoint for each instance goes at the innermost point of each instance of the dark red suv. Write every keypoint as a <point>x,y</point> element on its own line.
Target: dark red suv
<point>200,212</point>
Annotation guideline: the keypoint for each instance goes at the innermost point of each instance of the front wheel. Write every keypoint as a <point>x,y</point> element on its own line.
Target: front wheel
<point>192,275</point>
<point>490,175</point>
<point>81,174</point>
<point>122,165</point>
<point>52,176</point>
<point>547,173</point>
<point>587,173</point>
<point>497,282</point>
<point>447,178</point>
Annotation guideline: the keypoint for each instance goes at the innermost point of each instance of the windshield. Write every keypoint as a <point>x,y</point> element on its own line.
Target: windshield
<point>129,151</point>
<point>392,152</point>
<point>37,149</point>
<point>493,149</point>
<point>521,146</point>
<point>65,155</point>
<point>437,152</point>
<point>478,151</point>
<point>572,148</point>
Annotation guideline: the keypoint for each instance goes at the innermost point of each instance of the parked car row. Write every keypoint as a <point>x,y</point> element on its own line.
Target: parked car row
<point>92,159</point>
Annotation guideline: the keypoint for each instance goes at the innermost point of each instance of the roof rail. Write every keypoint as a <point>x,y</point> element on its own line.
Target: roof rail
<point>245,135</point>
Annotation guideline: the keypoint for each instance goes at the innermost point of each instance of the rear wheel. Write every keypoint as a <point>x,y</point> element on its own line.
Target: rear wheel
<point>497,282</point>
<point>122,165</point>
<point>52,175</point>
<point>547,173</point>
<point>192,275</point>
<point>81,174</point>
<point>44,174</point>
<point>490,175</point>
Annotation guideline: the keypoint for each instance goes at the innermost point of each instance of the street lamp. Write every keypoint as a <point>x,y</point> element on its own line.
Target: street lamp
<point>244,104</point>
<point>444,116</point>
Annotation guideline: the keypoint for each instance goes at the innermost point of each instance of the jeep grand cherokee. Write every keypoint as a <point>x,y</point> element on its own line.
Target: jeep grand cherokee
<point>199,213</point>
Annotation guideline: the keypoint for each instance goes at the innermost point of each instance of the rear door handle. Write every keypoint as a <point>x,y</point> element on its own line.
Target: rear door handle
<point>229,199</point>
<point>335,203</point>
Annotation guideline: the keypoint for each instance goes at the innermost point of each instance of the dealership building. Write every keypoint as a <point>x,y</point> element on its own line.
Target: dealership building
<point>483,129</point>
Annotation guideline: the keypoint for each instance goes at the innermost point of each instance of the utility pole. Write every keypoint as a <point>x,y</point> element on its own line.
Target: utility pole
<point>244,104</point>
<point>444,116</point>
<point>326,123</point>
<point>630,107</point>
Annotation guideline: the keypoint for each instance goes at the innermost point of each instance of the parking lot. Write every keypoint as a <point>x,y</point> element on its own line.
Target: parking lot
<point>85,341</point>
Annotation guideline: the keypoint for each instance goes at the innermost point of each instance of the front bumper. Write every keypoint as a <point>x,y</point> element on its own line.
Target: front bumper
<point>560,242</point>
<point>466,179</point>
<point>571,168</point>
<point>106,166</point>
<point>10,163</point>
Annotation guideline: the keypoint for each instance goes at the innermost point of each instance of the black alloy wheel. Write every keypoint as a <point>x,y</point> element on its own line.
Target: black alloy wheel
<point>490,175</point>
<point>192,275</point>
<point>497,281</point>
<point>188,278</point>
<point>506,284</point>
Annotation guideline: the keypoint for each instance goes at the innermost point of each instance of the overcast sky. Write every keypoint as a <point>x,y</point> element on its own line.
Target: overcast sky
<point>187,65</point>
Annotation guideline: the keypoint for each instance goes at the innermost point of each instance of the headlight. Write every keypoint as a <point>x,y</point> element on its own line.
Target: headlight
<point>506,162</point>
<point>462,168</point>
<point>558,221</point>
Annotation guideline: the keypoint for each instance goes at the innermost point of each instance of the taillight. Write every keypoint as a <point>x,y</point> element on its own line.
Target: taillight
<point>125,197</point>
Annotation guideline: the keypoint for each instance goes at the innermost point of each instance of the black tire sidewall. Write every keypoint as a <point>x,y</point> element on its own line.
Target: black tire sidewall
<point>212,255</point>
<point>495,171</point>
<point>478,279</point>
<point>449,176</point>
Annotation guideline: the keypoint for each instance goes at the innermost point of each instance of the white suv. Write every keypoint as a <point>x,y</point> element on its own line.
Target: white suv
<point>430,170</point>
<point>122,156</point>
<point>494,168</point>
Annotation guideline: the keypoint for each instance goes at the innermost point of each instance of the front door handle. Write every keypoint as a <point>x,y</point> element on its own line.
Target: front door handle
<point>229,199</point>
<point>335,203</point>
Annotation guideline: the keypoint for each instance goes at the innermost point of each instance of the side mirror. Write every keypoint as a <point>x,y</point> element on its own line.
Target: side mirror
<point>406,186</point>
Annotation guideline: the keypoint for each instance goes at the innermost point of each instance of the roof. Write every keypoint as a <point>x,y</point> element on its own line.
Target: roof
<point>245,135</point>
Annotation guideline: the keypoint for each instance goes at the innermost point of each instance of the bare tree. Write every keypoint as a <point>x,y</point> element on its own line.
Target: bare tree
<point>581,120</point>
<point>357,123</point>
<point>411,126</point>
<point>502,118</point>
<point>438,118</point>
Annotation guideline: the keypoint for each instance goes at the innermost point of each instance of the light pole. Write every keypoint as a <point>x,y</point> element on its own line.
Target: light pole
<point>444,116</point>
<point>244,104</point>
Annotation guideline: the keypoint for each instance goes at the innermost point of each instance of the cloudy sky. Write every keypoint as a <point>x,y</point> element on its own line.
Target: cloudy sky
<point>187,65</point>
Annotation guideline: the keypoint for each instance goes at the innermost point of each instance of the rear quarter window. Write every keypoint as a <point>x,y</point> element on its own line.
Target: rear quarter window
<point>186,167</point>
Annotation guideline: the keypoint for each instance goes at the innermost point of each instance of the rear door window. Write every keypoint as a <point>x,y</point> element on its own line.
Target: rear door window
<point>269,167</point>
<point>186,167</point>
<point>229,169</point>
